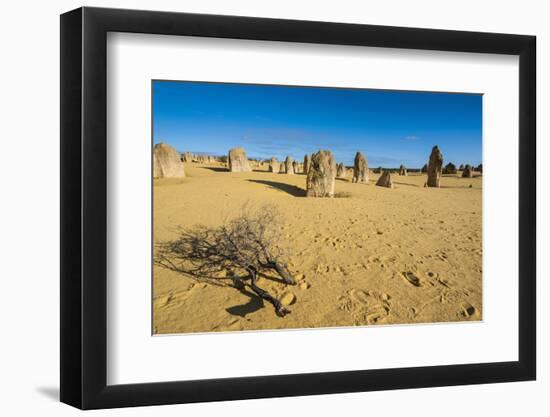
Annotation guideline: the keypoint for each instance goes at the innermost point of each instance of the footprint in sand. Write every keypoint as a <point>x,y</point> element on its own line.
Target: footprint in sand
<point>229,325</point>
<point>366,307</point>
<point>175,299</point>
<point>304,286</point>
<point>336,243</point>
<point>163,300</point>
<point>412,278</point>
<point>413,312</point>
<point>468,311</point>
<point>359,296</point>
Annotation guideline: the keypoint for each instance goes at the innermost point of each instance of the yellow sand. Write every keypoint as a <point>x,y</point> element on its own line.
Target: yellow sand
<point>380,256</point>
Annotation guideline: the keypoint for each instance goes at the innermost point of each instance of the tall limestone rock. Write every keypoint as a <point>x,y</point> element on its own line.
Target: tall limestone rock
<point>167,162</point>
<point>289,168</point>
<point>321,175</point>
<point>237,160</point>
<point>468,171</point>
<point>360,169</point>
<point>307,162</point>
<point>403,170</point>
<point>435,168</point>
<point>341,171</point>
<point>274,165</point>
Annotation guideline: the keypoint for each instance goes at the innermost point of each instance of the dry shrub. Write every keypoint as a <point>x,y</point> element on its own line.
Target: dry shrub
<point>245,244</point>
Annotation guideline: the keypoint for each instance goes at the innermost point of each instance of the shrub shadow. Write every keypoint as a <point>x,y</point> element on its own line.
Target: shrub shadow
<point>254,304</point>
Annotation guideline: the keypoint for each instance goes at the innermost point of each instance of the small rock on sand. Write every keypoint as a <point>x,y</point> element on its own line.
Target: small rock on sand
<point>385,180</point>
<point>288,299</point>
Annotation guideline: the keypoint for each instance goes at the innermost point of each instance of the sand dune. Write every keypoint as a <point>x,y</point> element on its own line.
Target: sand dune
<point>379,256</point>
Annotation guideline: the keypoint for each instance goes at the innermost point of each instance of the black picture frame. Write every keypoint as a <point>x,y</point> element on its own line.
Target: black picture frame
<point>84,207</point>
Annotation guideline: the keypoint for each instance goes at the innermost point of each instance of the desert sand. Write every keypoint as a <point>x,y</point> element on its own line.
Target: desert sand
<point>376,256</point>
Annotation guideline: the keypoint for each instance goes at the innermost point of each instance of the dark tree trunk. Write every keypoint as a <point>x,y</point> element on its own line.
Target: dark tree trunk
<point>283,272</point>
<point>279,309</point>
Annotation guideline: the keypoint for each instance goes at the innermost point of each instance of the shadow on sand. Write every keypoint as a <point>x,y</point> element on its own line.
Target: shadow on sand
<point>254,304</point>
<point>216,169</point>
<point>406,184</point>
<point>462,187</point>
<point>287,188</point>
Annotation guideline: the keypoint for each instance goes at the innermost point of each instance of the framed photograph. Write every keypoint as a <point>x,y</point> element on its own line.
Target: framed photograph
<point>257,208</point>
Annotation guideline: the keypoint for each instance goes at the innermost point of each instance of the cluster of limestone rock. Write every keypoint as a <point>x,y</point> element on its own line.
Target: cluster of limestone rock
<point>274,165</point>
<point>298,167</point>
<point>320,168</point>
<point>198,158</point>
<point>187,157</point>
<point>205,159</point>
<point>341,171</point>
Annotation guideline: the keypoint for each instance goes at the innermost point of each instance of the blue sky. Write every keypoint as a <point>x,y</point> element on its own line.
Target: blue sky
<point>389,127</point>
